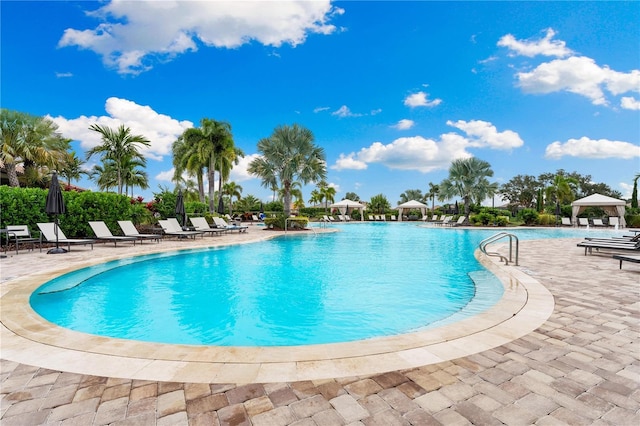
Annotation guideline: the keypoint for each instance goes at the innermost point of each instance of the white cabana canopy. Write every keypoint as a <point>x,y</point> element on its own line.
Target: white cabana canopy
<point>348,204</point>
<point>611,206</point>
<point>411,205</point>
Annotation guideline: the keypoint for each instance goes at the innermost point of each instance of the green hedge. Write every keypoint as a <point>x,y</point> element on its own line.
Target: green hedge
<point>26,206</point>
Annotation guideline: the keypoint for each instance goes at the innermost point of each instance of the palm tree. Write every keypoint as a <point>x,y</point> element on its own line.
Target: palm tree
<point>561,189</point>
<point>467,179</point>
<point>104,176</point>
<point>316,197</point>
<point>289,154</point>
<point>118,146</point>
<point>72,169</point>
<point>133,175</point>
<point>433,193</point>
<point>411,194</point>
<point>226,160</point>
<point>30,140</point>
<point>352,196</point>
<point>327,193</point>
<point>232,189</point>
<point>187,159</point>
<point>379,203</point>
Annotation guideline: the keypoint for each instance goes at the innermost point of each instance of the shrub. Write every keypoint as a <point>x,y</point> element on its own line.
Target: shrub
<point>546,219</point>
<point>528,216</point>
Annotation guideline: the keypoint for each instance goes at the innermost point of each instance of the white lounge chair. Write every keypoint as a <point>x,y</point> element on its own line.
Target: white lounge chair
<point>222,224</point>
<point>598,222</point>
<point>172,228</point>
<point>583,221</point>
<point>566,221</point>
<point>201,224</point>
<point>130,230</point>
<point>103,233</point>
<point>614,221</point>
<point>48,234</point>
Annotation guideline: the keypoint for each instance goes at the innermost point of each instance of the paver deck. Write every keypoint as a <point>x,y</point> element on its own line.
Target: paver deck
<point>581,366</point>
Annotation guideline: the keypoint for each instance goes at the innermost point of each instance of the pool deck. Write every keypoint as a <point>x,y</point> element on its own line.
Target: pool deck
<point>529,361</point>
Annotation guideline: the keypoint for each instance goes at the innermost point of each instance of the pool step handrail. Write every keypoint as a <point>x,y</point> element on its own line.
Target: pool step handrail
<point>496,237</point>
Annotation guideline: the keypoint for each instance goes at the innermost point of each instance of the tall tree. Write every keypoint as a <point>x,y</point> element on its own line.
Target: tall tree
<point>118,146</point>
<point>379,203</point>
<point>468,180</point>
<point>634,193</point>
<point>229,157</point>
<point>433,193</point>
<point>289,154</point>
<point>327,193</point>
<point>31,141</point>
<point>522,190</point>
<point>232,189</point>
<point>411,194</point>
<point>72,168</point>
<point>561,190</point>
<point>186,158</point>
<point>352,196</point>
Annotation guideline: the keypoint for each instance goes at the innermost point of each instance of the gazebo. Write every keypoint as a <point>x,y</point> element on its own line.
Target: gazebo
<point>411,205</point>
<point>348,204</point>
<point>611,206</point>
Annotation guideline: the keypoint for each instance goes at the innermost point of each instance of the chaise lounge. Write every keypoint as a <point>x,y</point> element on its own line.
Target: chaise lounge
<point>627,258</point>
<point>201,224</point>
<point>103,233</point>
<point>48,234</point>
<point>130,230</point>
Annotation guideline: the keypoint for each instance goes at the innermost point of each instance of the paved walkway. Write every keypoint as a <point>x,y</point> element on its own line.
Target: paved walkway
<point>581,367</point>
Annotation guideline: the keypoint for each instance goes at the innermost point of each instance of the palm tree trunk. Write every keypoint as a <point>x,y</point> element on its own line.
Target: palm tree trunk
<point>201,188</point>
<point>12,174</point>
<point>287,198</point>
<point>212,180</point>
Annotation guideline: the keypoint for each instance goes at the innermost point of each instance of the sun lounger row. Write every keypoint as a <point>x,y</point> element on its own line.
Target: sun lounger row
<point>610,244</point>
<point>599,223</point>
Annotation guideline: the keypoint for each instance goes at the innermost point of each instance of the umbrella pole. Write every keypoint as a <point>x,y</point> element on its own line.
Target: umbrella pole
<point>57,249</point>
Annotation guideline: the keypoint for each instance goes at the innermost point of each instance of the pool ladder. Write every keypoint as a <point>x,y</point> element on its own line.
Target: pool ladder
<point>499,236</point>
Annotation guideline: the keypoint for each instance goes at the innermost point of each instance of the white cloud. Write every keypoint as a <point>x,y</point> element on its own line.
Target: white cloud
<point>160,129</point>
<point>344,111</point>
<point>590,148</point>
<point>348,162</point>
<point>626,189</point>
<point>132,34</point>
<point>320,109</point>
<point>630,103</point>
<point>335,186</point>
<point>580,75</point>
<point>64,74</point>
<point>239,172</point>
<point>426,155</point>
<point>166,176</point>
<point>404,124</point>
<point>420,99</point>
<point>530,48</point>
<point>484,134</point>
<point>376,111</point>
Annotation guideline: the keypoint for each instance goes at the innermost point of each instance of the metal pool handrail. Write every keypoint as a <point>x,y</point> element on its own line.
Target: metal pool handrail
<point>496,237</point>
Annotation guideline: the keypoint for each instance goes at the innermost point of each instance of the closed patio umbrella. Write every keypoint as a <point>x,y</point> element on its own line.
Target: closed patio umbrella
<point>220,206</point>
<point>180,211</point>
<point>55,206</point>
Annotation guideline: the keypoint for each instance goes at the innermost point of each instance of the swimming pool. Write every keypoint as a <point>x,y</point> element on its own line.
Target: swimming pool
<point>370,280</point>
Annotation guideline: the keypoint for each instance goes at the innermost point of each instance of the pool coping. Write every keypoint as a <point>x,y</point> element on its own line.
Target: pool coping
<point>29,339</point>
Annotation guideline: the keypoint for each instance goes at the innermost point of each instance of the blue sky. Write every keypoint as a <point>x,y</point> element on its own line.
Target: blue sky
<point>393,91</point>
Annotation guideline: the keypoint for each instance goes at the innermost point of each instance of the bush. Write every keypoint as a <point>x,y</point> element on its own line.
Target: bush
<point>528,216</point>
<point>26,206</point>
<point>546,219</point>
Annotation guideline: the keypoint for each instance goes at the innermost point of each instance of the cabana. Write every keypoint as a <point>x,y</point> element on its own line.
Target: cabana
<point>346,204</point>
<point>611,206</point>
<point>411,205</point>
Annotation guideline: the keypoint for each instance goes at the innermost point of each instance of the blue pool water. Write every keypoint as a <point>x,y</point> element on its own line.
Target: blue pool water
<point>369,280</point>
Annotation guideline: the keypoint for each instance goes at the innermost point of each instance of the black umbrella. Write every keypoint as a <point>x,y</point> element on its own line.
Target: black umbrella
<point>180,211</point>
<point>456,210</point>
<point>220,206</point>
<point>261,207</point>
<point>55,206</point>
<point>557,212</point>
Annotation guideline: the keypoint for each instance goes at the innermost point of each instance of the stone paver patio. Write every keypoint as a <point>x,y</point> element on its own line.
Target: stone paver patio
<point>582,366</point>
